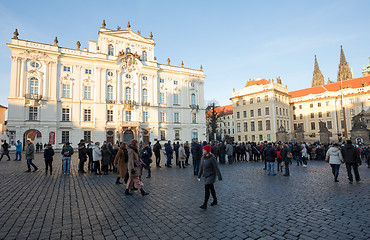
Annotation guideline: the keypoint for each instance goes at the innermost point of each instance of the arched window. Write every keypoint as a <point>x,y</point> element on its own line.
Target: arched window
<point>110,50</point>
<point>193,102</point>
<point>145,56</point>
<point>128,50</point>
<point>128,94</point>
<point>145,95</point>
<point>34,86</point>
<point>110,92</point>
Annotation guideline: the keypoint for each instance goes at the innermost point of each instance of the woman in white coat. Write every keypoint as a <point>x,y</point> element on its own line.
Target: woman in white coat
<point>304,155</point>
<point>334,155</point>
<point>96,158</point>
<point>182,155</point>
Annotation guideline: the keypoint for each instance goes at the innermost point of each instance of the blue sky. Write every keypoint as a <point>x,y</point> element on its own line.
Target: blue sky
<point>233,40</point>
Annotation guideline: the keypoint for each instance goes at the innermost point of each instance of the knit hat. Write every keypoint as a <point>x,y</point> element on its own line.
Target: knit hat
<point>207,148</point>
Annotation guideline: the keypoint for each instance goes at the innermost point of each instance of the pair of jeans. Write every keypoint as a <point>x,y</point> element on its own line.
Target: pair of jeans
<point>30,163</point>
<point>270,168</point>
<point>169,157</point>
<point>298,158</point>
<point>355,170</point>
<point>230,159</point>
<point>222,158</point>
<point>335,170</point>
<point>209,188</point>
<point>66,165</point>
<point>286,169</point>
<point>18,154</point>
<point>196,166</point>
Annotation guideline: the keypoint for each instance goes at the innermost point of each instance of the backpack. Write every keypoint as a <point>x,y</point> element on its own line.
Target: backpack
<point>278,154</point>
<point>66,153</point>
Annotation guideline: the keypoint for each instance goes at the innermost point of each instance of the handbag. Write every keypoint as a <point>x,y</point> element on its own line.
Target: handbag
<point>182,156</point>
<point>327,159</point>
<point>283,164</point>
<point>138,163</point>
<point>290,155</point>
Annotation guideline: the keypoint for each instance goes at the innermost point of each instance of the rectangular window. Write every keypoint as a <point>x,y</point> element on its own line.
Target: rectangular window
<point>293,107</point>
<point>87,136</point>
<point>267,111</point>
<point>294,117</point>
<point>65,114</point>
<point>162,117</point>
<point>244,102</point>
<point>352,111</point>
<point>259,112</point>
<point>175,82</point>
<point>238,115</point>
<point>176,117</point>
<point>329,125</point>
<point>244,114</point>
<point>177,134</point>
<point>260,126</point>
<point>319,104</point>
<point>66,69</point>
<point>327,103</point>
<point>300,106</point>
<point>110,115</point>
<point>328,114</point>
<point>252,126</point>
<point>295,126</point>
<point>237,103</point>
<point>32,113</point>
<point>253,138</point>
<point>300,116</point>
<point>238,127</point>
<point>88,71</point>
<point>65,136</point>
<point>268,137</point>
<point>87,115</point>
<point>320,114</point>
<point>245,127</point>
<point>66,91</point>
<point>312,125</point>
<point>252,113</point>
<point>162,98</point>
<point>239,138</point>
<point>258,99</point>
<point>87,92</point>
<point>128,116</point>
<point>341,113</point>
<point>163,135</point>
<point>266,98</point>
<point>145,116</point>
<point>251,100</point>
<point>268,125</point>
<point>245,138</point>
<point>161,80</point>
<point>311,105</point>
<point>194,118</point>
<point>280,111</point>
<point>312,115</point>
<point>176,99</point>
<point>342,124</point>
<point>261,137</point>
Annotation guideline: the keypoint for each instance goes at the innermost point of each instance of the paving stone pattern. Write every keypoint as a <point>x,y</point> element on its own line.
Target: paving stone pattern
<point>252,205</point>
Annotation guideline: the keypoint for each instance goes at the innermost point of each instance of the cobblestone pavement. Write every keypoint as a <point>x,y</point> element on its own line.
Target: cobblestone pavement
<point>306,205</point>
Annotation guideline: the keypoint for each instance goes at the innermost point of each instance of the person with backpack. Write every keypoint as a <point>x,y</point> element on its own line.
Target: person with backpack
<point>48,156</point>
<point>279,159</point>
<point>67,152</point>
<point>270,155</point>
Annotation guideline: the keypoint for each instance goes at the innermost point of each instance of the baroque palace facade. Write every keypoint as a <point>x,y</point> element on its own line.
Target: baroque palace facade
<point>113,91</point>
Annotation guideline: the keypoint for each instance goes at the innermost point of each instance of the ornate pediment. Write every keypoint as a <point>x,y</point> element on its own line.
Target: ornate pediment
<point>66,80</point>
<point>35,72</point>
<point>88,82</point>
<point>130,35</point>
<point>129,62</point>
<point>34,54</point>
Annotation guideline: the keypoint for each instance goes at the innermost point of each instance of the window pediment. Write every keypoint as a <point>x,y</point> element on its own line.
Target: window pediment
<point>88,82</point>
<point>66,80</point>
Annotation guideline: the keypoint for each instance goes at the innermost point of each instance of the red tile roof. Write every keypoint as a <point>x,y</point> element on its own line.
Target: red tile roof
<point>332,87</point>
<point>224,110</point>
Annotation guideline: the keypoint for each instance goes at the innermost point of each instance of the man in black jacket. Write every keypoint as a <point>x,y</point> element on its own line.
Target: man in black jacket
<point>270,155</point>
<point>157,152</point>
<point>82,156</point>
<point>352,159</point>
<point>5,152</point>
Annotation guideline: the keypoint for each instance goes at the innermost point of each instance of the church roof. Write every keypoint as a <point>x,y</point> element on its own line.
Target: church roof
<point>224,110</point>
<point>332,87</point>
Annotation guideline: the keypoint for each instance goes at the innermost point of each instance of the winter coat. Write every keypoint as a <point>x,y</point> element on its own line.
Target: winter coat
<point>67,150</point>
<point>284,155</point>
<point>30,151</point>
<point>209,170</point>
<point>121,159</point>
<point>335,155</point>
<point>48,154</point>
<point>350,154</point>
<point>304,152</point>
<point>182,153</point>
<point>82,153</point>
<point>157,149</point>
<point>196,151</point>
<point>133,157</point>
<point>96,153</point>
<point>18,147</point>
<point>146,155</point>
<point>229,150</point>
<point>270,154</point>
<point>169,150</point>
<point>106,155</point>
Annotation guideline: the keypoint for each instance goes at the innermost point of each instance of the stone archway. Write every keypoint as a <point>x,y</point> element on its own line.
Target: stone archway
<point>128,135</point>
<point>33,135</point>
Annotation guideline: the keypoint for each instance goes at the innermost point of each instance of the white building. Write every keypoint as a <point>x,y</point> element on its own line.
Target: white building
<point>113,91</point>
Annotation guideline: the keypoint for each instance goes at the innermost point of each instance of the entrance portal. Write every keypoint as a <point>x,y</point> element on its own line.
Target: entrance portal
<point>33,135</point>
<point>128,135</point>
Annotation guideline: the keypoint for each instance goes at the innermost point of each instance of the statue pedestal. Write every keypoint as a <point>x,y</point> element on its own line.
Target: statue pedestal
<point>362,134</point>
<point>282,135</point>
<point>325,137</point>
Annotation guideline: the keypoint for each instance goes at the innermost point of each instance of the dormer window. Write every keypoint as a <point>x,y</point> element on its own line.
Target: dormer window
<point>110,50</point>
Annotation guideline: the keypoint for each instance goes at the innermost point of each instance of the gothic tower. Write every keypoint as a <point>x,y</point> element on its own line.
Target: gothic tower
<point>318,78</point>
<point>344,73</point>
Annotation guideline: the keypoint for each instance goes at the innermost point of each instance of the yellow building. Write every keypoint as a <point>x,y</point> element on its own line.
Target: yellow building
<point>260,109</point>
<point>2,119</point>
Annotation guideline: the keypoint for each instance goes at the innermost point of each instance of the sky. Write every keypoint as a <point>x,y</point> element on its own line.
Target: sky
<point>233,40</point>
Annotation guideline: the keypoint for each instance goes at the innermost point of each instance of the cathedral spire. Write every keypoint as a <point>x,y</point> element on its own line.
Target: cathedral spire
<point>318,78</point>
<point>344,73</point>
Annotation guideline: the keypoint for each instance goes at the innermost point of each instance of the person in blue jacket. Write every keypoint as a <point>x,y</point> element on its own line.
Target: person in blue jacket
<point>18,151</point>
